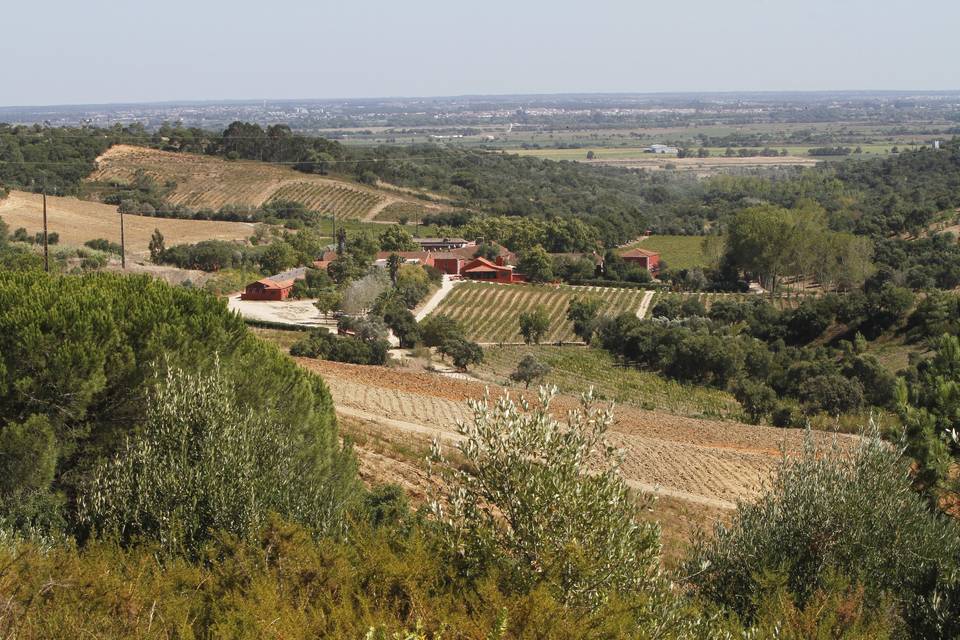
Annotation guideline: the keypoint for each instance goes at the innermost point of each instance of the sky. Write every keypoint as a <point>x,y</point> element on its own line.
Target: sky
<point>97,51</point>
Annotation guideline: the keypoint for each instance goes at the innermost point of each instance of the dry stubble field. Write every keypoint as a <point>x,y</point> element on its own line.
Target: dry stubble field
<point>80,220</point>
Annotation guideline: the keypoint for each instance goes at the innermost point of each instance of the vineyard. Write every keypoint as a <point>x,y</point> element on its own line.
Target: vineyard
<point>490,313</point>
<point>790,300</point>
<point>334,199</point>
<point>206,182</point>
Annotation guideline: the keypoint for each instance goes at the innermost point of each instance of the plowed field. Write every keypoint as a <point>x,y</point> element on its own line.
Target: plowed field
<point>702,462</point>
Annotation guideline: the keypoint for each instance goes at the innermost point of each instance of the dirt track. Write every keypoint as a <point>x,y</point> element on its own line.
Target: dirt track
<point>702,462</point>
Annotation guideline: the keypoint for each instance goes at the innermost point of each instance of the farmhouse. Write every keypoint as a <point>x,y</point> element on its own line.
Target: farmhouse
<point>274,288</point>
<point>649,260</point>
<point>442,244</point>
<point>484,270</point>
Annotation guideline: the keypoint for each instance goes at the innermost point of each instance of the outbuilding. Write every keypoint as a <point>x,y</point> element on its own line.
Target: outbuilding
<point>267,289</point>
<point>649,260</point>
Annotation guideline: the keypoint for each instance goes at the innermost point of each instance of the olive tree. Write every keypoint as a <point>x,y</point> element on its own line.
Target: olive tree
<point>201,464</point>
<point>544,502</point>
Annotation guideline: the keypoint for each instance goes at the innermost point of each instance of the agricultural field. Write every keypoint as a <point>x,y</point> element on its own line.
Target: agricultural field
<point>78,221</point>
<point>344,201</point>
<point>679,252</point>
<point>490,313</point>
<point>206,182</point>
<point>702,462</point>
<point>574,368</point>
<point>411,211</point>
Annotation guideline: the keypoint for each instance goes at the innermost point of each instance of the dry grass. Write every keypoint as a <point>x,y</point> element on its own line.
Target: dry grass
<point>79,220</point>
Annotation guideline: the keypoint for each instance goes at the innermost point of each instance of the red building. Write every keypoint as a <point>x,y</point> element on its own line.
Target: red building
<point>649,260</point>
<point>484,270</point>
<point>267,289</point>
<point>448,263</point>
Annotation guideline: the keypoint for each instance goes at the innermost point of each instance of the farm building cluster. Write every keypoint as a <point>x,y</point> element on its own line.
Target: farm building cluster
<point>454,257</point>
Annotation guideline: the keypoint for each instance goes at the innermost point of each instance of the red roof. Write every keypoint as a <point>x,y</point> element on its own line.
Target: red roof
<point>274,284</point>
<point>482,264</point>
<point>639,253</point>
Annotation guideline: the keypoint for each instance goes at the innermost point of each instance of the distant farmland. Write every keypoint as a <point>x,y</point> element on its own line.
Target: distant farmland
<point>205,182</point>
<point>490,313</point>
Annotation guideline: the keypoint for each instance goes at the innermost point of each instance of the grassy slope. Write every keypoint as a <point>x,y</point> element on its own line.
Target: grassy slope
<point>679,252</point>
<point>574,369</point>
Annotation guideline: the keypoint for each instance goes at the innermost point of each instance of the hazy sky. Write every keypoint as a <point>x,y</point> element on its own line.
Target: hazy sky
<point>96,51</point>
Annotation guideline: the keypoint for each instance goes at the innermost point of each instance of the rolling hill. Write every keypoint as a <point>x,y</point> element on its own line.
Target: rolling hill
<point>207,182</point>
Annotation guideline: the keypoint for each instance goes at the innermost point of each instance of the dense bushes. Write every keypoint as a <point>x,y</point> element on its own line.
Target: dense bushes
<point>755,349</point>
<point>851,512</point>
<point>85,353</point>
<point>326,346</point>
<point>201,464</point>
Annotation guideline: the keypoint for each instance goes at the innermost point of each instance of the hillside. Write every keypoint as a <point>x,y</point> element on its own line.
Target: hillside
<point>80,220</point>
<point>208,182</point>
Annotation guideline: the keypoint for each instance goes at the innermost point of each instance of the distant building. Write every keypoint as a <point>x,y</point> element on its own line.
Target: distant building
<point>442,244</point>
<point>649,260</point>
<point>660,148</point>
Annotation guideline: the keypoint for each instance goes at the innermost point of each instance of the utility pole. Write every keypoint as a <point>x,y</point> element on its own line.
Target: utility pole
<point>46,251</point>
<point>123,245</point>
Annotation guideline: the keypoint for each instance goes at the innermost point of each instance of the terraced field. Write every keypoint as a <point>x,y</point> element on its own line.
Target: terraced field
<point>490,313</point>
<point>205,182</point>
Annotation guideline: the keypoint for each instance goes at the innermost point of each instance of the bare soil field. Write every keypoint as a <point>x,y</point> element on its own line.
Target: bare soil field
<point>79,220</point>
<point>702,462</point>
<point>206,182</point>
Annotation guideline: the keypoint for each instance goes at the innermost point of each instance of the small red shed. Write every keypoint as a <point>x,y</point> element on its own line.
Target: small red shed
<point>267,289</point>
<point>649,260</point>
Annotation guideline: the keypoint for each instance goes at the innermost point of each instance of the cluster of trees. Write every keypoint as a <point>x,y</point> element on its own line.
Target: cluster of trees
<point>607,201</point>
<point>771,242</point>
<point>769,358</point>
<point>95,368</point>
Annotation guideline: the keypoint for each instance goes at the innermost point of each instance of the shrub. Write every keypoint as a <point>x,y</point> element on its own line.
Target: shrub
<point>463,352</point>
<point>202,463</point>
<point>849,512</point>
<point>831,393</point>
<point>437,329</point>
<point>544,502</point>
<point>530,370</point>
<point>758,400</point>
<point>102,244</point>
<point>534,324</point>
